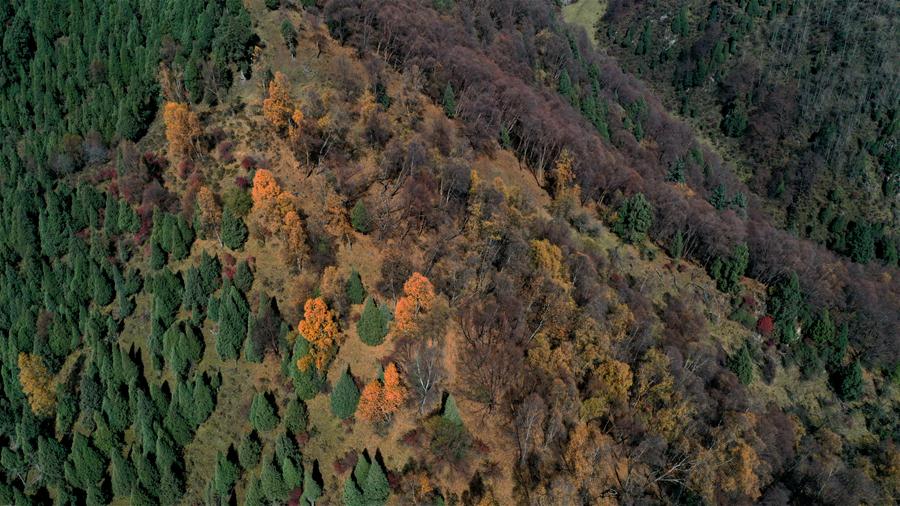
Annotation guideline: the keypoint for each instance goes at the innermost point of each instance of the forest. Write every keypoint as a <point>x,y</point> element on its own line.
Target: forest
<point>449,252</point>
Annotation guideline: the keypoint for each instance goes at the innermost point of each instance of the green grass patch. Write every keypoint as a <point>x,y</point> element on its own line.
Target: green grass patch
<point>585,13</point>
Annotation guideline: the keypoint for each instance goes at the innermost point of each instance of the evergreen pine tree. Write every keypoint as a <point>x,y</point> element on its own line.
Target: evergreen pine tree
<point>295,417</point>
<point>359,218</point>
<point>254,496</point>
<point>372,326</point>
<point>226,475</point>
<point>243,277</point>
<point>741,363</point>
<point>311,490</point>
<point>354,290</point>
<point>352,494</point>
<point>635,219</point>
<point>345,396</point>
<point>449,101</point>
<point>234,232</point>
<point>263,417</point>
<point>272,482</point>
<point>249,451</point>
<point>292,474</point>
<point>451,412</point>
<point>376,489</point>
<point>851,386</point>
<point>233,313</point>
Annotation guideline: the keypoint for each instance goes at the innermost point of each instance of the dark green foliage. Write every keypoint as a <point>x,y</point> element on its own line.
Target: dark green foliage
<point>311,489</point>
<point>273,485</point>
<point>183,348</point>
<point>448,437</point>
<point>225,477</point>
<point>253,495</point>
<point>359,218</point>
<point>52,459</point>
<point>273,4</point>
<point>372,325</point>
<point>741,364</point>
<point>173,234</point>
<point>785,304</point>
<point>234,232</point>
<point>834,349</point>
<point>861,243</point>
<point>635,216</point>
<point>289,34</point>
<point>233,313</point>
<point>352,495</point>
<point>567,89</point>
<point>718,199</point>
<point>295,417</point>
<point>86,466</point>
<point>307,383</point>
<point>449,101</point>
<point>851,382</point>
<point>123,475</point>
<point>376,488</point>
<point>243,277</point>
<point>345,396</point>
<point>729,271</point>
<point>249,451</point>
<point>354,289</point>
<point>263,416</point>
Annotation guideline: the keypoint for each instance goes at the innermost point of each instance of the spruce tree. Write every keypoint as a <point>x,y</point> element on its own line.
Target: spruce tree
<point>295,416</point>
<point>226,475</point>
<point>354,290</point>
<point>372,326</point>
<point>741,363</point>
<point>272,482</point>
<point>359,218</point>
<point>635,219</point>
<point>449,101</point>
<point>233,318</point>
<point>451,412</point>
<point>292,474</point>
<point>851,385</point>
<point>311,490</point>
<point>249,451</point>
<point>376,489</point>
<point>352,494</point>
<point>234,232</point>
<point>243,277</point>
<point>263,416</point>
<point>344,397</point>
<point>254,496</point>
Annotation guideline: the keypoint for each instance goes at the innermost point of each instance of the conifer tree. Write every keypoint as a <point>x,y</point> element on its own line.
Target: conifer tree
<point>635,216</point>
<point>234,232</point>
<point>272,482</point>
<point>354,290</point>
<point>292,474</point>
<point>741,364</point>
<point>345,396</point>
<point>372,326</point>
<point>254,496</point>
<point>226,475</point>
<point>449,101</point>
<point>233,316</point>
<point>359,218</point>
<point>295,417</point>
<point>376,489</point>
<point>262,413</point>
<point>450,411</point>
<point>851,385</point>
<point>243,277</point>
<point>352,494</point>
<point>311,490</point>
<point>249,451</point>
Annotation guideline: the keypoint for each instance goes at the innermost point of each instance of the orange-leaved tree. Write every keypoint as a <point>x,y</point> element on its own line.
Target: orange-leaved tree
<point>319,328</point>
<point>294,250</point>
<point>36,383</point>
<point>279,107</point>
<point>379,400</point>
<point>270,202</point>
<point>182,129</point>
<point>418,297</point>
<point>210,210</point>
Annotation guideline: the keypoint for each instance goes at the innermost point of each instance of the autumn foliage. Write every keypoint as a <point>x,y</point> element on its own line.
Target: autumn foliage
<point>280,108</point>
<point>36,383</point>
<point>274,212</point>
<point>182,129</point>
<point>418,297</point>
<point>319,328</point>
<point>379,400</point>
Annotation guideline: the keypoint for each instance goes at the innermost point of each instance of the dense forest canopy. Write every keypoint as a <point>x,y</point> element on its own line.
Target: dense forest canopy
<point>447,252</point>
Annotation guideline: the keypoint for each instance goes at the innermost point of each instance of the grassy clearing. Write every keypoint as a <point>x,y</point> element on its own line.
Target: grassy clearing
<point>585,13</point>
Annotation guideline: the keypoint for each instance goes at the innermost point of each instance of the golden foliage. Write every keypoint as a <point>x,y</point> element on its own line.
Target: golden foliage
<point>378,400</point>
<point>319,328</point>
<point>418,297</point>
<point>210,211</point>
<point>37,384</point>
<point>278,106</point>
<point>614,379</point>
<point>182,128</point>
<point>294,250</point>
